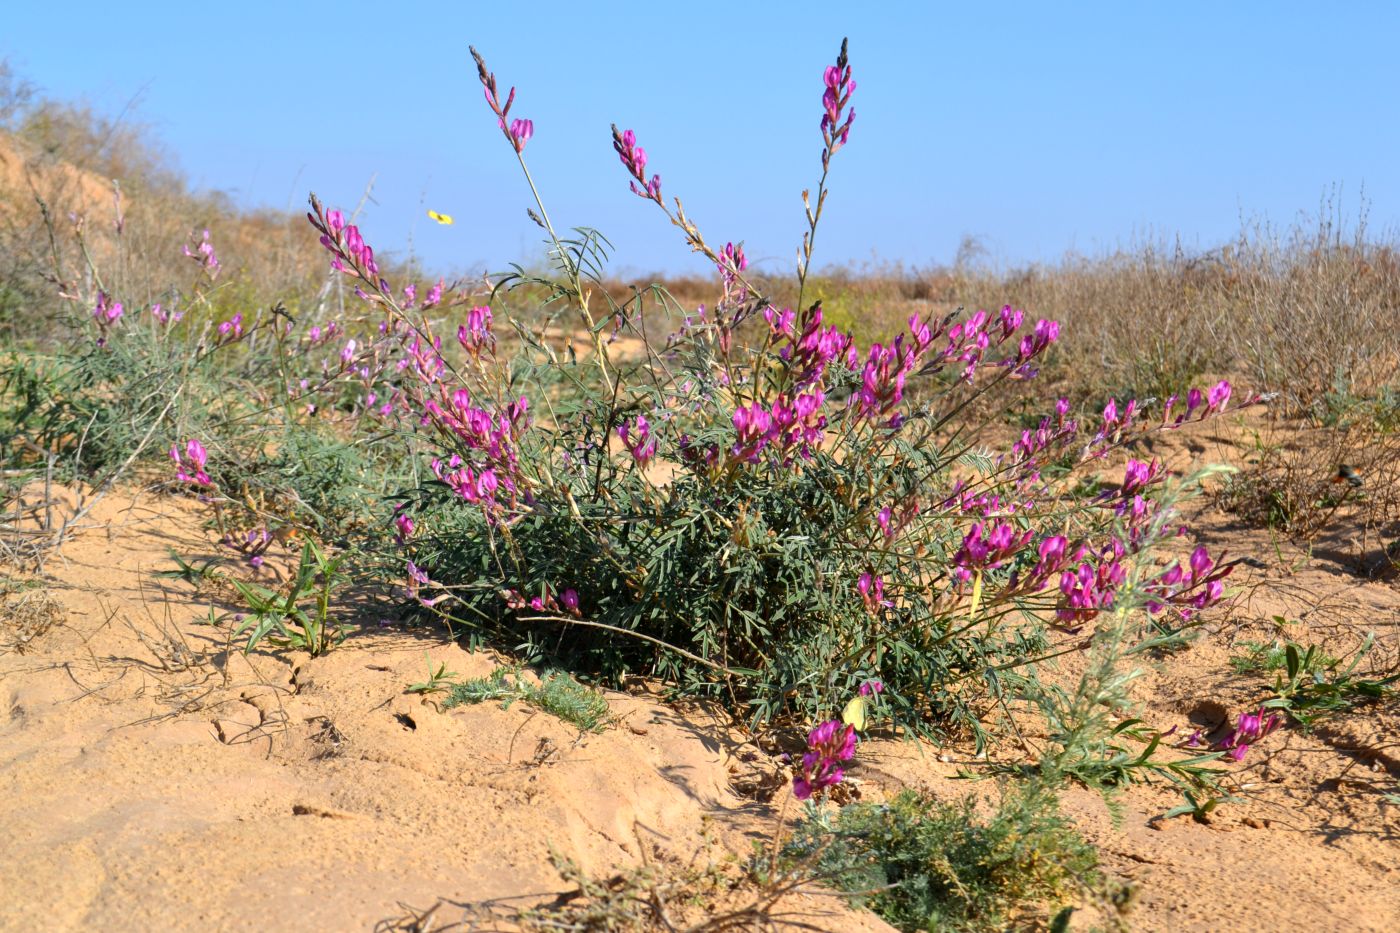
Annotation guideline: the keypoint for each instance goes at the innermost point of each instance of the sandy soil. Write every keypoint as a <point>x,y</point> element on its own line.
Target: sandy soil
<point>156,778</point>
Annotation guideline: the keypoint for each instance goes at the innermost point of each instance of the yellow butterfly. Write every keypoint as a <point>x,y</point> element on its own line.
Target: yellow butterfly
<point>443,219</point>
<point>854,713</point>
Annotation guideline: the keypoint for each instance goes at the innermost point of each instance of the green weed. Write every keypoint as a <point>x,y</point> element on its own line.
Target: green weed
<point>301,617</point>
<point>928,864</point>
<point>557,694</point>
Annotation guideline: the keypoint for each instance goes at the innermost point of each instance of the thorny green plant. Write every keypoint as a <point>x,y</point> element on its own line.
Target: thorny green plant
<point>557,694</point>
<point>928,864</point>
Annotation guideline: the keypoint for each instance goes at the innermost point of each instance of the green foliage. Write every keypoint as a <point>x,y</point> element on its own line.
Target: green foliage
<point>1199,807</point>
<point>1313,684</point>
<point>439,681</point>
<point>1267,657</point>
<point>557,694</point>
<point>926,864</point>
<point>301,617</point>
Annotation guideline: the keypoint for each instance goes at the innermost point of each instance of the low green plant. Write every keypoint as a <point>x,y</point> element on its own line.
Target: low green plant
<point>1267,657</point>
<point>928,864</point>
<point>1313,684</point>
<point>557,694</point>
<point>1198,806</point>
<point>300,617</point>
<point>439,680</point>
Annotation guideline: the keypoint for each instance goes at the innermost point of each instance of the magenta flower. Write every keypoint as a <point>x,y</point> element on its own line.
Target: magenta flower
<point>417,579</point>
<point>1191,589</point>
<point>1218,396</point>
<point>835,96</point>
<point>520,133</point>
<point>434,294</point>
<point>634,157</point>
<point>517,132</point>
<point>403,527</point>
<point>476,333</point>
<point>166,315</point>
<point>107,311</point>
<point>779,322</point>
<point>204,254</point>
<point>871,687</point>
<point>752,424</point>
<point>570,600</point>
<point>1091,587</point>
<point>1138,476</point>
<point>872,592</point>
<point>732,258</point>
<point>231,329</point>
<point>828,745</point>
<point>1052,560</point>
<point>1033,345</point>
<point>1250,728</point>
<point>190,467</point>
<point>988,549</point>
<point>637,437</point>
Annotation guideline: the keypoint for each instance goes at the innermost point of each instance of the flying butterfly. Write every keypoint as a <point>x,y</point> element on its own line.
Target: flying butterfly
<point>444,219</point>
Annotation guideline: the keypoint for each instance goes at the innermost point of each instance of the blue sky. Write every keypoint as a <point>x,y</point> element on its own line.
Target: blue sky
<point>1038,128</point>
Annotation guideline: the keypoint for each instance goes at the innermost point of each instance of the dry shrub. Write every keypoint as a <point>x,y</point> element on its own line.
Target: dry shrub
<point>1308,312</point>
<point>26,613</point>
<point>1291,480</point>
<point>79,192</point>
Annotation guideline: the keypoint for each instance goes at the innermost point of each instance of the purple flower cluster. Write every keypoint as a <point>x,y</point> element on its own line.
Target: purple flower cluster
<point>1250,728</point>
<point>190,467</point>
<point>789,423</point>
<point>493,437</point>
<point>567,601</point>
<point>106,313</point>
<point>517,132</point>
<point>637,436</point>
<point>634,157</point>
<point>828,745</point>
<point>350,254</point>
<point>203,253</point>
<point>837,94</point>
<point>404,526</point>
<point>1050,434</point>
<point>732,262</point>
<point>164,315</point>
<point>887,368</point>
<point>988,549</point>
<point>476,334</point>
<point>232,329</point>
<point>1092,587</point>
<point>1192,588</point>
<point>872,592</point>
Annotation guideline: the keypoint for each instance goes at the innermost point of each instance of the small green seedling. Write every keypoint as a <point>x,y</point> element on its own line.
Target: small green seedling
<point>439,681</point>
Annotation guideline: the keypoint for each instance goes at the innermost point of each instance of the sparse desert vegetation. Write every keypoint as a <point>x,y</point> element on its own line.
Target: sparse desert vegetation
<point>338,596</point>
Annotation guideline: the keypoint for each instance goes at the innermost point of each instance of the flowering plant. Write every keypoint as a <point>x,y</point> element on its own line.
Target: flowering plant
<point>755,507</point>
